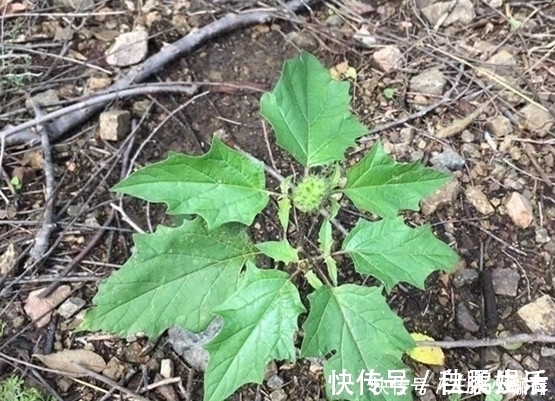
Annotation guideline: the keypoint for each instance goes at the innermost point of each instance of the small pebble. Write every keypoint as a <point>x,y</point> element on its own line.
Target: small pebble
<point>448,159</point>
<point>334,20</point>
<point>71,306</point>
<point>464,277</point>
<point>467,136</point>
<point>278,395</point>
<point>166,368</point>
<point>274,382</point>
<point>542,236</point>
<point>547,352</point>
<point>505,282</point>
<point>465,320</point>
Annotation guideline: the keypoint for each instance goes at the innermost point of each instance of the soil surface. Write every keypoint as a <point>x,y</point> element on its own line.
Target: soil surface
<point>418,77</point>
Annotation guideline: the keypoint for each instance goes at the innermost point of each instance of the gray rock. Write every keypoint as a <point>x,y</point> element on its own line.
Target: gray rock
<point>550,247</point>
<point>275,382</point>
<point>464,277</point>
<point>389,58</point>
<point>114,369</point>
<point>505,282</point>
<point>513,184</point>
<point>448,160</point>
<point>334,20</point>
<point>446,195</point>
<point>500,126</point>
<point>190,345</point>
<point>278,395</point>
<point>530,363</point>
<point>539,316</point>
<point>114,125</point>
<point>483,47</point>
<point>303,40</point>
<point>43,99</point>
<point>71,306</point>
<point>537,120</point>
<point>462,12</point>
<point>416,155</point>
<point>465,320</point>
<point>428,82</point>
<point>467,136</point>
<point>365,38</point>
<point>542,236</point>
<point>129,48</point>
<point>547,352</point>
<point>140,107</point>
<point>503,62</point>
<point>479,200</point>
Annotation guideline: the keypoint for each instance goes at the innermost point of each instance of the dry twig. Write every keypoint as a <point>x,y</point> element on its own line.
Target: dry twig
<point>111,383</point>
<point>490,342</point>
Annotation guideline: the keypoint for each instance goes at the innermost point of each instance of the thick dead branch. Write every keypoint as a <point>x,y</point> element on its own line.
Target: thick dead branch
<point>230,22</point>
<point>43,236</point>
<point>21,133</point>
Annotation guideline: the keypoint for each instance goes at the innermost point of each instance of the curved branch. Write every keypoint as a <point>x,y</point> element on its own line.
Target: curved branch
<point>230,22</point>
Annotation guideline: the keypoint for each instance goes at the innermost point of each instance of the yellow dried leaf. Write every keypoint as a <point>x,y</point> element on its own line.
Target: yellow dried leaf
<point>427,355</point>
<point>343,71</point>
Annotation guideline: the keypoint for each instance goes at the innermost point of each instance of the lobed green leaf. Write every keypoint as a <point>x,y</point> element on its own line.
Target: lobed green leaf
<point>356,323</point>
<point>176,276</point>
<point>380,185</point>
<point>309,112</point>
<point>392,252</point>
<point>221,186</point>
<point>260,321</point>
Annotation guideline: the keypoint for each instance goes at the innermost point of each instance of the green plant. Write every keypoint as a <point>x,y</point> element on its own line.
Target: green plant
<point>13,389</point>
<point>14,67</point>
<point>16,183</point>
<point>188,275</point>
<point>389,93</point>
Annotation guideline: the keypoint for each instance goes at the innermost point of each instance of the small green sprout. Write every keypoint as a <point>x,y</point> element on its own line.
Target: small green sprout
<point>389,93</point>
<point>16,183</point>
<point>14,389</point>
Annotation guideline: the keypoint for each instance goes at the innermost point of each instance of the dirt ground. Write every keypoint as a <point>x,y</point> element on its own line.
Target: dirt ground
<point>496,59</point>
